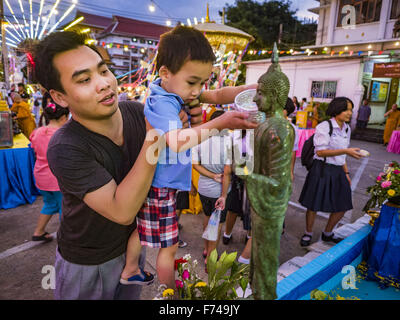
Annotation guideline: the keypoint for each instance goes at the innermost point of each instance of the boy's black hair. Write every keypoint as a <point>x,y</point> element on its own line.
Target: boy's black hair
<point>338,105</point>
<point>45,51</point>
<point>289,107</point>
<point>183,44</point>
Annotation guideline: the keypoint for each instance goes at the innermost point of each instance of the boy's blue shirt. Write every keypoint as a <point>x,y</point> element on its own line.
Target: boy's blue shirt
<point>174,170</point>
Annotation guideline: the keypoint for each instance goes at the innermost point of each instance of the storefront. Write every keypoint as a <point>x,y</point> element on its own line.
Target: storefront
<point>381,85</point>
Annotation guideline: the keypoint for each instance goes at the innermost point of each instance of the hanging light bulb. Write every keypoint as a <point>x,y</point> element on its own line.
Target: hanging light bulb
<point>152,7</point>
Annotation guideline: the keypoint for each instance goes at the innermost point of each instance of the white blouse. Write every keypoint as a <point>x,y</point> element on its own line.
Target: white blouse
<point>340,139</point>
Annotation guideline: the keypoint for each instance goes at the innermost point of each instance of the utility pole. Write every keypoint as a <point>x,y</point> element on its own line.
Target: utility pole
<point>280,33</point>
<point>130,66</point>
<point>4,51</point>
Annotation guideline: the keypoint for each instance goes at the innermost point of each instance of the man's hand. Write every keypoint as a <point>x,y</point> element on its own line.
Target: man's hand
<point>220,203</point>
<point>196,114</point>
<point>184,119</point>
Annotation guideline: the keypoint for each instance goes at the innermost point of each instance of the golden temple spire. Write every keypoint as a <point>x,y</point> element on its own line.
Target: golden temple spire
<point>208,14</point>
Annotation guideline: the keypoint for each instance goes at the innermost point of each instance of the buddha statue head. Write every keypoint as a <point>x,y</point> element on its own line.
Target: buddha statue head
<point>273,87</point>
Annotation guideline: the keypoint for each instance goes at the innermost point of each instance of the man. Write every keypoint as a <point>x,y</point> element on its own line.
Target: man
<point>37,102</point>
<point>22,92</point>
<point>100,160</point>
<point>364,114</point>
<point>9,97</point>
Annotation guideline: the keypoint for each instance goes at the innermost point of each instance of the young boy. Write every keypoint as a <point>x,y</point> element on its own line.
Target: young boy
<point>184,63</point>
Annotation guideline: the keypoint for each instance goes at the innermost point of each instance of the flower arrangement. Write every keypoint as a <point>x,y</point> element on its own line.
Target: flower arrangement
<point>386,187</point>
<point>224,275</point>
<point>322,295</point>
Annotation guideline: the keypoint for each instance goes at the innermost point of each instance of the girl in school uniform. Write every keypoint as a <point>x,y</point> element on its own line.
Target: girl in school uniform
<point>327,186</point>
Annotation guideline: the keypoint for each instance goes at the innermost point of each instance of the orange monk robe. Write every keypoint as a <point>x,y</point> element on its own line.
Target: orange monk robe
<point>392,122</point>
<point>25,119</point>
<point>195,206</point>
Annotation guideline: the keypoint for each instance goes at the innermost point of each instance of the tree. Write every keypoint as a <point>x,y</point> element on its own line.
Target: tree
<point>263,20</point>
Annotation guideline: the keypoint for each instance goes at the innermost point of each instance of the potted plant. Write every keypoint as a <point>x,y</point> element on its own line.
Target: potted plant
<point>386,187</point>
<point>225,275</point>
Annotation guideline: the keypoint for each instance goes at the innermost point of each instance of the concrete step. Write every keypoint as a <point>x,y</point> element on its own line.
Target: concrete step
<point>370,135</point>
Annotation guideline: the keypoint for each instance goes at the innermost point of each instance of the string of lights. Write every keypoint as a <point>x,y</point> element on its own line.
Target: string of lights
<point>30,29</point>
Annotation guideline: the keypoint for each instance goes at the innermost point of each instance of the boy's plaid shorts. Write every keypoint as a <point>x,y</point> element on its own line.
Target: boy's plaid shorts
<point>157,221</point>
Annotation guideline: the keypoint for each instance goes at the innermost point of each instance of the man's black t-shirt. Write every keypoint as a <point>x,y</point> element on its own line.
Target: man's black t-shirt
<point>84,161</point>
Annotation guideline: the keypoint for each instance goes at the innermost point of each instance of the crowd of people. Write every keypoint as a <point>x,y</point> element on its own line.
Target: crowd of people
<point>109,171</point>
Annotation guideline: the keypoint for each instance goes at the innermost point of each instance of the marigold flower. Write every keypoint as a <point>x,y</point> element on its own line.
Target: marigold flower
<point>391,192</point>
<point>168,292</point>
<point>200,284</point>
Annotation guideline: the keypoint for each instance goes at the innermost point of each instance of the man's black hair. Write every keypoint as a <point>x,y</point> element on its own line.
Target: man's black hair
<point>45,51</point>
<point>183,44</point>
<point>338,105</point>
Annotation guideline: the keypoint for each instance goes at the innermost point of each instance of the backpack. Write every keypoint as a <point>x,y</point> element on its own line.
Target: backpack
<point>307,152</point>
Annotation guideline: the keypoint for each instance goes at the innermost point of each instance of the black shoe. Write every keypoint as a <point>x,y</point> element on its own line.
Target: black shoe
<point>225,240</point>
<point>330,238</point>
<point>142,279</point>
<point>305,240</point>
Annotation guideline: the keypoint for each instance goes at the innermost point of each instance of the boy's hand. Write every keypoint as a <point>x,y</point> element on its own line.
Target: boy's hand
<point>235,120</point>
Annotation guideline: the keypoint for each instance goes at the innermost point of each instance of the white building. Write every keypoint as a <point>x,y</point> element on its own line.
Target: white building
<point>128,41</point>
<point>358,56</point>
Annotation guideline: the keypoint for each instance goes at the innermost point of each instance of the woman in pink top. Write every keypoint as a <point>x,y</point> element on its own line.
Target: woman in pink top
<point>45,180</point>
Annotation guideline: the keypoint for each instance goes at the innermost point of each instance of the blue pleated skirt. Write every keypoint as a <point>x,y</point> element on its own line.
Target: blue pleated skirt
<point>326,189</point>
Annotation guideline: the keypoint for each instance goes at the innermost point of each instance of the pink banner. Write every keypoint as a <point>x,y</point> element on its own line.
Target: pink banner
<point>304,134</point>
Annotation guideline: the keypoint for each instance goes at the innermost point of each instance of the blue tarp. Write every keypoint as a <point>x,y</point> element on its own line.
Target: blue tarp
<point>17,183</point>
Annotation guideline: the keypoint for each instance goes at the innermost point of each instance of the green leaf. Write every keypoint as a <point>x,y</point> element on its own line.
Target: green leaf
<point>226,264</point>
<point>212,266</point>
<point>243,283</point>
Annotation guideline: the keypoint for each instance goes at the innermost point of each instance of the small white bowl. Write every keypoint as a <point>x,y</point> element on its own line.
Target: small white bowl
<point>244,101</point>
<point>364,153</point>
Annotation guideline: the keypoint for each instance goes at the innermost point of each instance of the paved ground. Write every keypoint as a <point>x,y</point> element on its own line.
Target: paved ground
<point>22,262</point>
